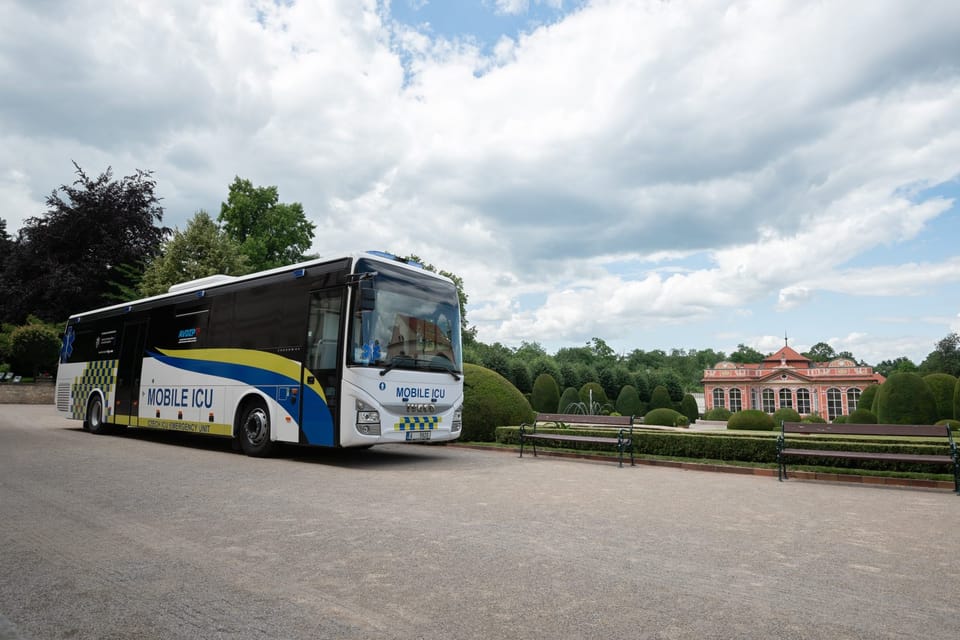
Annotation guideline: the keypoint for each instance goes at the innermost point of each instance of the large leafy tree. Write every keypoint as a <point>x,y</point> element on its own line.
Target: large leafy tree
<point>87,246</point>
<point>945,358</point>
<point>270,233</point>
<point>200,250</point>
<point>902,364</point>
<point>746,355</point>
<point>820,352</point>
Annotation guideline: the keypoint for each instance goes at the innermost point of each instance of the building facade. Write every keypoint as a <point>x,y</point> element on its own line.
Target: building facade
<point>787,379</point>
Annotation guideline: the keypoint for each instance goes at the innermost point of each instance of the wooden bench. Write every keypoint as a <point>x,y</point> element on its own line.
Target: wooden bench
<point>952,458</point>
<point>623,440</point>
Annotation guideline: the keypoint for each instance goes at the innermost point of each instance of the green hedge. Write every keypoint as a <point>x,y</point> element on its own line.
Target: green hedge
<point>759,448</point>
<point>678,444</point>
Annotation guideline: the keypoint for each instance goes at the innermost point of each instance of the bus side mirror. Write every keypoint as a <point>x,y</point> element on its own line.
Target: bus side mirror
<point>368,296</point>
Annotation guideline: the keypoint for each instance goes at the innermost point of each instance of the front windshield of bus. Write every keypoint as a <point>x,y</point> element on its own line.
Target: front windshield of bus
<point>415,322</point>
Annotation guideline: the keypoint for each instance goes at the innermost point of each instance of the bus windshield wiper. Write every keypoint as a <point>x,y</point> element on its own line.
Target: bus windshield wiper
<point>436,366</point>
<point>396,362</point>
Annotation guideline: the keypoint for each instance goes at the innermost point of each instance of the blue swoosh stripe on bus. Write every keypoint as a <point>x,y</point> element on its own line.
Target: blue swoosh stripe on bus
<point>318,428</point>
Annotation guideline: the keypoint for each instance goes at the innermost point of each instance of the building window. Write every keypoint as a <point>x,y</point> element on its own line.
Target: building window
<point>736,404</point>
<point>786,399</point>
<point>718,400</point>
<point>769,406</point>
<point>803,401</point>
<point>853,397</point>
<point>754,399</point>
<point>834,403</point>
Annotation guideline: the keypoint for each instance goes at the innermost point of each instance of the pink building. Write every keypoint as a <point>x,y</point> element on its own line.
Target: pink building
<point>787,379</point>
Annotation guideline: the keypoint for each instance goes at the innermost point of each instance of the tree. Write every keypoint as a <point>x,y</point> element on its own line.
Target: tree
<point>270,233</point>
<point>5,241</point>
<point>901,364</point>
<point>945,358</point>
<point>820,352</point>
<point>746,355</point>
<point>202,249</point>
<point>95,232</point>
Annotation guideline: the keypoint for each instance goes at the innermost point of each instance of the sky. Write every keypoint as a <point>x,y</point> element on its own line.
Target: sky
<point>660,174</point>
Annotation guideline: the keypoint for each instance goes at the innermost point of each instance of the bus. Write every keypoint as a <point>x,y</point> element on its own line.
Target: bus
<point>353,351</point>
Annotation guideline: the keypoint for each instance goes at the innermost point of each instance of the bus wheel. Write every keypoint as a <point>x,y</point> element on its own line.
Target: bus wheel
<point>94,421</point>
<point>255,431</point>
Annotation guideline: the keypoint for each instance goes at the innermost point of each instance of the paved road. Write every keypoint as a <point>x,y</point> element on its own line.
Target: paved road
<point>163,536</point>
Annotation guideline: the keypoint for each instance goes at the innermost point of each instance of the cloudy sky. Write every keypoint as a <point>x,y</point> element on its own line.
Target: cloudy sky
<point>660,174</point>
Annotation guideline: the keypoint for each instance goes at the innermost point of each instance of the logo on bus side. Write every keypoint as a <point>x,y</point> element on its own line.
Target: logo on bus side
<point>180,397</point>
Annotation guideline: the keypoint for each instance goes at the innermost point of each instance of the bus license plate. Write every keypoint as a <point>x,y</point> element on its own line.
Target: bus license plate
<point>418,435</point>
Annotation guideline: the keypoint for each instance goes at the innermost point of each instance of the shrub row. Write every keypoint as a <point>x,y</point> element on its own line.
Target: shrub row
<point>760,448</point>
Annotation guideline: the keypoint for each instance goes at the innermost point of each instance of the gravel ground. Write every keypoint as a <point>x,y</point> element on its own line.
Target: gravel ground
<point>167,536</point>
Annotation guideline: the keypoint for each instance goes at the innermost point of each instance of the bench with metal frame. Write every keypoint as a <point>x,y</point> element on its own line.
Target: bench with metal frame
<point>927,431</point>
<point>624,439</point>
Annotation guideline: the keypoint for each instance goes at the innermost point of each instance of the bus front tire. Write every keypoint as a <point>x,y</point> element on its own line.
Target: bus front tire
<point>254,432</point>
<point>94,421</point>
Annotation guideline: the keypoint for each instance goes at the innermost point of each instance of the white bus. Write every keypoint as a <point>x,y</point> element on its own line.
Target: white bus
<point>354,351</point>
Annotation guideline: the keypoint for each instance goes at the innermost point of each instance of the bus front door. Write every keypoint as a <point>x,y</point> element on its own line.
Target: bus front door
<point>318,418</point>
<point>126,402</point>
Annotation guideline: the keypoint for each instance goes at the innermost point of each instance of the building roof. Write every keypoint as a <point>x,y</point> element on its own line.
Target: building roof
<point>788,355</point>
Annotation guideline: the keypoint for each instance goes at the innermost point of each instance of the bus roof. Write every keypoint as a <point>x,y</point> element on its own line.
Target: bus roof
<point>219,280</point>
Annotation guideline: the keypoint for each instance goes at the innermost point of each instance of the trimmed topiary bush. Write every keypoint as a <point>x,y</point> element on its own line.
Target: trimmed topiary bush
<point>954,424</point>
<point>594,389</point>
<point>752,420</point>
<point>569,398</point>
<point>718,413</point>
<point>628,402</point>
<point>862,416</point>
<point>905,398</point>
<point>545,396</point>
<point>490,401</point>
<point>785,414</point>
<point>814,418</point>
<point>689,408</point>
<point>660,398</point>
<point>663,417</point>
<point>943,386</point>
<point>867,397</point>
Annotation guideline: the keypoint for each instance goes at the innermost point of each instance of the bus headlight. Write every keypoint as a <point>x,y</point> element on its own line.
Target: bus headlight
<point>368,419</point>
<point>457,419</point>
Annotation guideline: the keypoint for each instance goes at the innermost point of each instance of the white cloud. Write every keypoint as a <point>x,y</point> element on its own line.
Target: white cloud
<point>633,166</point>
